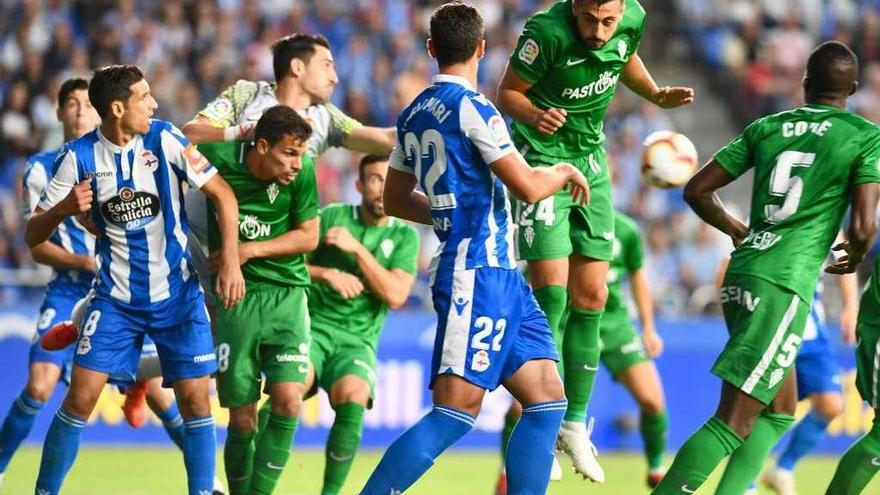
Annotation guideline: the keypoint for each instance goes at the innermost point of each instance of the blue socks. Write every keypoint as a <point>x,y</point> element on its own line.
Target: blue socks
<point>530,451</point>
<point>16,427</point>
<point>804,437</point>
<point>199,454</point>
<point>173,424</point>
<point>59,451</point>
<point>414,452</point>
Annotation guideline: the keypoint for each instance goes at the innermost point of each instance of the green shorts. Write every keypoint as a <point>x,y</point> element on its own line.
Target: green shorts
<point>556,227</point>
<point>267,333</point>
<point>335,354</point>
<point>766,324</point>
<point>868,362</point>
<point>621,344</point>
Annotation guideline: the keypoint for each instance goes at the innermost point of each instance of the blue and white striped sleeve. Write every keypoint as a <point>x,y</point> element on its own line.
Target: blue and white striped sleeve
<point>397,160</point>
<point>64,178</point>
<point>186,158</point>
<point>34,180</point>
<point>486,129</point>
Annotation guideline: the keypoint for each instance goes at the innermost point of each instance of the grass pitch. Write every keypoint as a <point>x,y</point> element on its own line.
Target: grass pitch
<point>133,471</point>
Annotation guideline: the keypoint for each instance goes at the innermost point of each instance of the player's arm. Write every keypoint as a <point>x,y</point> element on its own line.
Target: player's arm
<point>59,258</point>
<point>511,99</point>
<point>347,285</point>
<point>641,293</point>
<point>63,197</point>
<point>861,231</point>
<point>700,193</point>
<point>531,185</point>
<point>302,239</point>
<point>637,78</point>
<point>391,286</point>
<point>202,130</point>
<point>849,298</point>
<point>402,200</point>
<point>230,282</point>
<point>371,140</point>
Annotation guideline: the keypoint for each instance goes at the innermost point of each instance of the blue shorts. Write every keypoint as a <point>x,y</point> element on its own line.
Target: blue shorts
<point>111,341</point>
<point>55,309</point>
<point>817,369</point>
<point>488,326</point>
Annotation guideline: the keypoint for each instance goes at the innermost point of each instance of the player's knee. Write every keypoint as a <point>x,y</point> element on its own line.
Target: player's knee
<point>591,296</point>
<point>287,405</point>
<point>79,402</point>
<point>651,406</point>
<point>357,394</point>
<point>243,422</point>
<point>39,390</point>
<point>193,405</point>
<point>829,407</point>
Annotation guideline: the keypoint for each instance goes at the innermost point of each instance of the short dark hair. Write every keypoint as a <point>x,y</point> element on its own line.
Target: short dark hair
<point>831,70</point>
<point>112,83</point>
<point>69,86</point>
<point>596,2</point>
<point>279,121</point>
<point>456,31</point>
<point>368,160</point>
<point>296,45</point>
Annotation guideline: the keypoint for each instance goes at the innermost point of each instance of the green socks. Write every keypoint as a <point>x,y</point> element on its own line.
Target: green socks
<point>238,460</point>
<point>654,428</point>
<point>273,449</point>
<point>553,300</point>
<point>344,440</point>
<point>746,462</point>
<point>698,457</point>
<point>580,358</point>
<point>859,464</point>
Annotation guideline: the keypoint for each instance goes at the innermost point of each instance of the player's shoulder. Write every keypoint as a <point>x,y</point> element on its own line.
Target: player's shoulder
<point>333,210</point>
<point>402,229</point>
<point>245,87</point>
<point>43,159</point>
<point>550,26</point>
<point>635,14</point>
<point>859,123</point>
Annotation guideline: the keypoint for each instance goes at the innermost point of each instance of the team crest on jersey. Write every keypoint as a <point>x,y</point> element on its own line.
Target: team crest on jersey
<point>621,48</point>
<point>480,361</point>
<point>84,346</point>
<point>529,235</point>
<point>529,51</point>
<point>149,160</point>
<point>272,191</point>
<point>131,209</point>
<point>387,247</point>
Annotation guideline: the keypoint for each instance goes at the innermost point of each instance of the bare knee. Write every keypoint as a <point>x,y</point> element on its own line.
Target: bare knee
<point>652,406</point>
<point>192,397</point>
<point>455,391</point>
<point>243,419</point>
<point>287,405</point>
<point>350,389</point>
<point>828,406</point>
<point>590,295</point>
<point>40,389</point>
<point>80,401</point>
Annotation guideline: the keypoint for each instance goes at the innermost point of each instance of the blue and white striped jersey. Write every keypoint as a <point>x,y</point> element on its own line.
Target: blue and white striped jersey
<point>447,137</point>
<point>138,208</point>
<point>70,235</point>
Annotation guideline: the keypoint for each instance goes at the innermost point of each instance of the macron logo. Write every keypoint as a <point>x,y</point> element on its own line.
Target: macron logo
<point>205,358</point>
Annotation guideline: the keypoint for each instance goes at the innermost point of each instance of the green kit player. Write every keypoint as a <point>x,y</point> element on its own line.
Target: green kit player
<point>810,165</point>
<point>364,265</point>
<point>862,460</point>
<point>558,84</point>
<point>267,334</point>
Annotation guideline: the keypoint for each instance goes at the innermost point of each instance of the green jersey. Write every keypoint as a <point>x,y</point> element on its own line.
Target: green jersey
<point>628,255</point>
<point>266,210</point>
<point>566,74</point>
<point>869,307</point>
<point>806,162</point>
<point>395,245</point>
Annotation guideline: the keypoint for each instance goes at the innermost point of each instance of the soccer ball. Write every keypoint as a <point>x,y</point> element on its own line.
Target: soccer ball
<point>669,159</point>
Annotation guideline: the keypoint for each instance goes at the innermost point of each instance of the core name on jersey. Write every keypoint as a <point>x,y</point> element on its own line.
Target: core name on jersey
<point>799,128</point>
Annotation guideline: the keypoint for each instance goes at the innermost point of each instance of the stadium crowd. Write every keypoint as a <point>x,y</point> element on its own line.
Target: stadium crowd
<point>192,50</point>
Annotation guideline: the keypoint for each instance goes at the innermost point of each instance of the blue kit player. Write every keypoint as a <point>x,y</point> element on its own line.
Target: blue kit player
<point>126,179</point>
<point>490,330</point>
<point>70,251</point>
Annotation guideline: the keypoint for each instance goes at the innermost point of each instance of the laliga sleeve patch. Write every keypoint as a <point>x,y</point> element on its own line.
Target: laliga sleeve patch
<point>529,51</point>
<point>218,109</point>
<point>498,128</point>
<point>195,160</point>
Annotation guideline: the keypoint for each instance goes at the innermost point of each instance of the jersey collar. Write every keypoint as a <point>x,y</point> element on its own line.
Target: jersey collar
<point>449,78</point>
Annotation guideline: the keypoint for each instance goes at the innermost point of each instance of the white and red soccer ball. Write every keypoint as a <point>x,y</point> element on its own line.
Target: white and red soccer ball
<point>669,159</point>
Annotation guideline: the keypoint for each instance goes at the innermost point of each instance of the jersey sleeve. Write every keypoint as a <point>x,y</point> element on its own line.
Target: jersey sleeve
<point>534,53</point>
<point>304,204</point>
<point>398,160</point>
<point>186,159</point>
<point>224,110</point>
<point>634,251</point>
<point>483,125</point>
<point>341,125</point>
<point>34,182</point>
<point>735,157</point>
<point>406,253</point>
<point>867,166</point>
<point>64,178</point>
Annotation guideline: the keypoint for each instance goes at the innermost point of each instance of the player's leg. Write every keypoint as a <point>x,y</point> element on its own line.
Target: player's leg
<point>163,405</point>
<point>456,405</point>
<point>862,460</point>
<point>349,397</point>
<point>643,382</point>
<point>751,380</point>
<point>61,444</point>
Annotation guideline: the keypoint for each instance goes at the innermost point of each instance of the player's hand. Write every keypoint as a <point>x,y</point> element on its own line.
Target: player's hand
<point>551,120</point>
<point>229,286</point>
<point>347,285</point>
<point>577,184</point>
<point>653,343</point>
<point>89,265</point>
<point>341,238</point>
<point>673,96</point>
<point>78,200</point>
<point>848,319</point>
<point>848,262</point>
